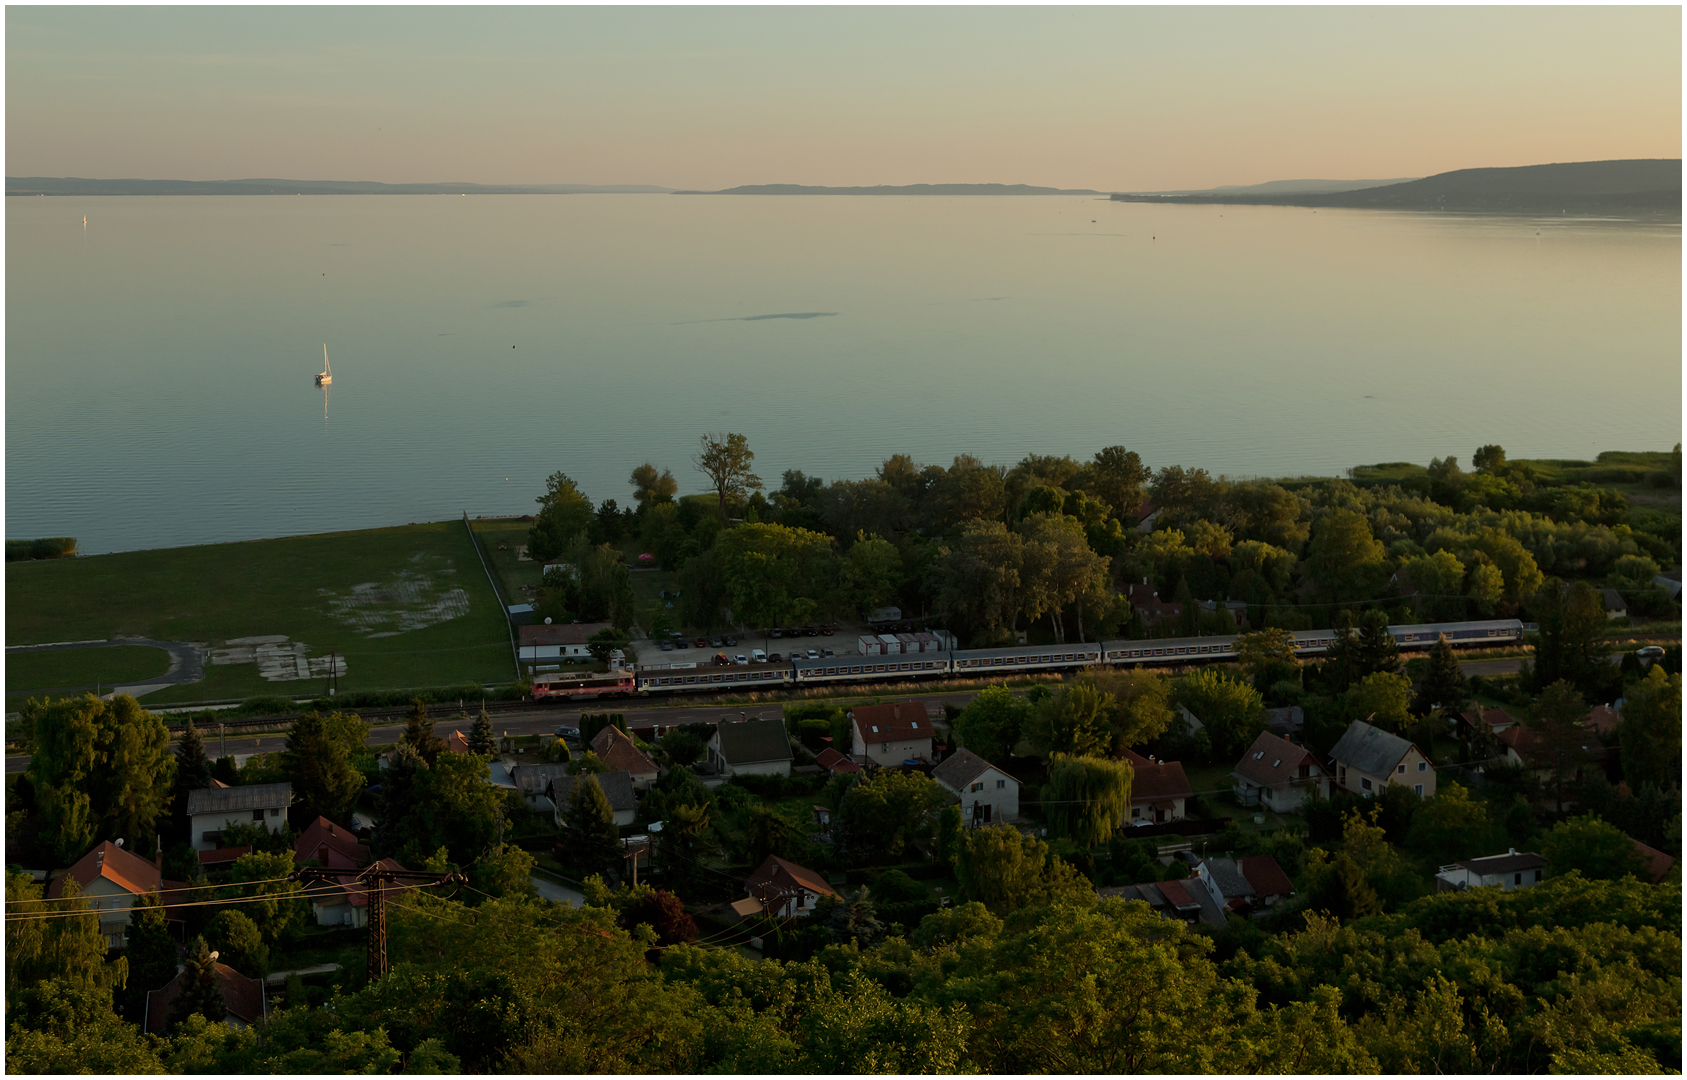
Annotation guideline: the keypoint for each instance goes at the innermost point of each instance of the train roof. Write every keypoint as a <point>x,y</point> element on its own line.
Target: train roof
<point>1029,650</point>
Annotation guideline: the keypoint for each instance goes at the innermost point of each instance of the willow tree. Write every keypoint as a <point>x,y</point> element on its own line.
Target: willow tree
<point>1086,798</point>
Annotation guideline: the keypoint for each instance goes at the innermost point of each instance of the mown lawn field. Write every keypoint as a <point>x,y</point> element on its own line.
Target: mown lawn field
<point>407,606</point>
<point>84,667</point>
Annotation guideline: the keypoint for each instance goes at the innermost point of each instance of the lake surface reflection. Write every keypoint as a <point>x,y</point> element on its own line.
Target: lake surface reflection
<point>160,361</point>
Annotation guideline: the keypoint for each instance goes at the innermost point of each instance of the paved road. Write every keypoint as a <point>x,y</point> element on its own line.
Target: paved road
<point>187,662</point>
<point>557,894</point>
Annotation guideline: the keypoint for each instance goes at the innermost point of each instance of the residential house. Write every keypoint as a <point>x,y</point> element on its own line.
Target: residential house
<point>616,750</point>
<point>1159,791</point>
<point>1615,606</point>
<point>751,748</point>
<point>988,794</point>
<point>557,641</point>
<point>1285,721</point>
<point>457,743</point>
<point>1525,750</point>
<point>1145,600</point>
<point>1513,870</point>
<point>211,810</point>
<point>1657,863</point>
<point>1497,720</point>
<point>1366,758</point>
<point>834,762</point>
<point>532,780</point>
<point>1277,774</point>
<point>110,878</point>
<point>343,898</point>
<point>1604,719</point>
<point>784,889</point>
<point>322,840</point>
<point>1238,611</point>
<point>1270,884</point>
<point>1147,515</point>
<point>245,1001</point>
<point>617,788</point>
<point>889,735</point>
<point>1170,899</point>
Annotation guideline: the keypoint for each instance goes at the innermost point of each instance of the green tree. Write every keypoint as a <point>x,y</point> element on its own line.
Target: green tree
<point>590,839</point>
<point>481,739</point>
<point>726,461</point>
<point>564,513</point>
<point>1142,704</point>
<point>651,487</point>
<point>1450,826</point>
<point>57,1026</point>
<point>1561,739</point>
<point>991,724</point>
<point>274,904</point>
<point>1444,686</point>
<point>1005,870</point>
<point>1232,712</point>
<point>1375,650</point>
<point>100,769</point>
<point>1075,721</point>
<point>317,760</point>
<point>1592,847</point>
<point>856,919</point>
<point>1489,459</point>
<point>202,991</point>
<point>604,642</point>
<point>455,806</point>
<point>507,871</point>
<point>1437,585</point>
<point>1650,732</point>
<point>890,812</point>
<point>949,835</point>
<point>1344,559</point>
<point>193,766</point>
<point>68,946</point>
<point>418,733</point>
<point>1382,699</point>
<point>1268,656</point>
<point>870,572</point>
<point>978,576</point>
<point>1572,634</point>
<point>238,942</point>
<point>774,573</point>
<point>1086,798</point>
<point>399,789</point>
<point>150,950</point>
<point>1060,571</point>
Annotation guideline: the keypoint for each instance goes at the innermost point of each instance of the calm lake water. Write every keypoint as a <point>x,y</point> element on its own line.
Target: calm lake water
<point>159,362</point>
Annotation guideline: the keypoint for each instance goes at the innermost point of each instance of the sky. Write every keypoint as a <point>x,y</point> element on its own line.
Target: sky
<point>1111,98</point>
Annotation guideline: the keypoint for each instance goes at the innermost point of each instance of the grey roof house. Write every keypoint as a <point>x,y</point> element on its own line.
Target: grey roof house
<point>751,748</point>
<point>617,788</point>
<point>1513,870</point>
<point>213,809</point>
<point>1366,759</point>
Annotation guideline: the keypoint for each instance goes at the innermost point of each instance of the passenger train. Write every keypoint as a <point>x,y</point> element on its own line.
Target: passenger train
<point>982,662</point>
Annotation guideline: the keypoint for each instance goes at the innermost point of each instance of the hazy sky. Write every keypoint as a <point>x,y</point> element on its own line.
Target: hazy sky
<point>1110,98</point>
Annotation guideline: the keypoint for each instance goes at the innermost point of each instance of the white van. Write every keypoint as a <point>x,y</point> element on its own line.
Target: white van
<point>757,656</point>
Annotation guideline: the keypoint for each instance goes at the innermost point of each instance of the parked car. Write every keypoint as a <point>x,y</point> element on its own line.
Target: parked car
<point>720,660</point>
<point>700,643</point>
<point>757,656</point>
<point>715,643</point>
<point>814,654</point>
<point>776,632</point>
<point>826,652</point>
<point>774,658</point>
<point>667,645</point>
<point>741,659</point>
<point>730,640</point>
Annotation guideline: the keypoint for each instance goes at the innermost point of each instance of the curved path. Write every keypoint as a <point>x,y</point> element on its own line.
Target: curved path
<point>187,663</point>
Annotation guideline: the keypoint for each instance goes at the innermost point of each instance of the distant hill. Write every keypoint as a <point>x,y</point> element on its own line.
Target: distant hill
<point>72,185</point>
<point>1285,187</point>
<point>1638,184</point>
<point>896,189</point>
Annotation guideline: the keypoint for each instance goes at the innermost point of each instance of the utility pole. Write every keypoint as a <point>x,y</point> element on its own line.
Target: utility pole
<point>374,879</point>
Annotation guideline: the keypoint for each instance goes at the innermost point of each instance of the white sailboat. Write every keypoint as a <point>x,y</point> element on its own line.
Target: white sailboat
<point>327,376</point>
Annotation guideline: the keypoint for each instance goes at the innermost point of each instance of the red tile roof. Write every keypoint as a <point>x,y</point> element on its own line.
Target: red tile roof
<point>457,743</point>
<point>1273,761</point>
<point>1658,863</point>
<point>242,997</point>
<point>615,749</point>
<point>123,868</point>
<point>777,877</point>
<point>1157,781</point>
<point>223,855</point>
<point>1176,895</point>
<point>834,762</point>
<point>1265,875</point>
<point>900,721</point>
<point>1496,718</point>
<point>1603,719</point>
<point>323,833</point>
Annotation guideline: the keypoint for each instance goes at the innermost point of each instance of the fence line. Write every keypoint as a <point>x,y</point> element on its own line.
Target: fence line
<point>503,605</point>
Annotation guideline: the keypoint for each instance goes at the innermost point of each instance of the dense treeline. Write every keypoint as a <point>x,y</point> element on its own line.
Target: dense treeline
<point>1569,976</point>
<point>1048,544</point>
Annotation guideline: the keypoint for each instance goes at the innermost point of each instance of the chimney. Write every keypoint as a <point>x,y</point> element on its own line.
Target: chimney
<point>1511,851</point>
<point>158,848</point>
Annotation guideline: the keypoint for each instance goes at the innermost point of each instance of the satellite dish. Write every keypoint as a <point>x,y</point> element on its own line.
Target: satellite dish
<point>118,841</point>
<point>547,620</point>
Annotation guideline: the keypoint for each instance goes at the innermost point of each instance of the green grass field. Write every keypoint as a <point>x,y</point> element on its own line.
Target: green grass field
<point>84,667</point>
<point>407,606</point>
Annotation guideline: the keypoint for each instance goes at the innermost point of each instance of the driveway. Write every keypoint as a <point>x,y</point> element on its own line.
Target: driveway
<point>557,894</point>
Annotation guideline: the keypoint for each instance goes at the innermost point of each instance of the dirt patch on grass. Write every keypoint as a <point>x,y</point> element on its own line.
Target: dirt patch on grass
<point>422,595</point>
<point>278,659</point>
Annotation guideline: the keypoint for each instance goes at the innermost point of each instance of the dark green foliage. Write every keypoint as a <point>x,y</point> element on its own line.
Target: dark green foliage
<point>53,547</point>
<point>856,919</point>
<point>317,762</point>
<point>418,733</point>
<point>592,723</point>
<point>202,992</point>
<point>238,943</point>
<point>79,797</point>
<point>151,953</point>
<point>590,841</point>
<point>1444,685</point>
<point>1593,848</point>
<point>681,748</point>
<point>481,739</point>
